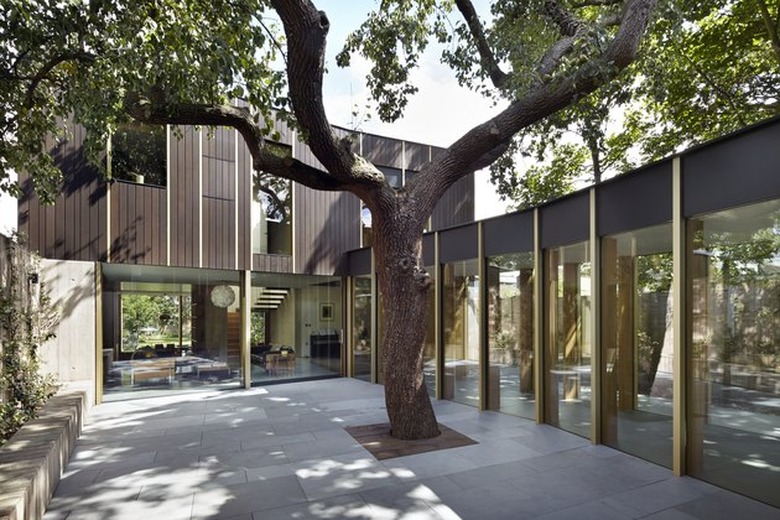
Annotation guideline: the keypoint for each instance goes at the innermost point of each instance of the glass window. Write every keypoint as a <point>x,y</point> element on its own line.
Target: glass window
<point>567,343</point>
<point>169,329</point>
<point>733,343</point>
<point>271,215</point>
<point>139,153</point>
<point>394,176</point>
<point>362,325</point>
<point>296,327</point>
<point>638,343</point>
<point>511,334</point>
<point>366,234</point>
<point>460,327</point>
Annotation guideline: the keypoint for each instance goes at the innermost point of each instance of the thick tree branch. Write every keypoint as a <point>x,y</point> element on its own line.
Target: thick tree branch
<point>567,23</point>
<point>239,118</point>
<point>306,29</point>
<point>469,152</point>
<point>553,56</point>
<point>43,73</point>
<point>487,58</point>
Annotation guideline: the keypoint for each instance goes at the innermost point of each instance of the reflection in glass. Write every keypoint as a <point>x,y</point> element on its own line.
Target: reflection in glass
<point>361,350</point>
<point>734,349</point>
<point>637,343</point>
<point>511,334</point>
<point>460,325</point>
<point>297,325</point>
<point>568,348</point>
<point>366,233</point>
<point>271,215</point>
<point>139,153</point>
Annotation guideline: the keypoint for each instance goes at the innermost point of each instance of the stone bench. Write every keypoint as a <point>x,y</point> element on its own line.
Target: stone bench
<point>31,462</point>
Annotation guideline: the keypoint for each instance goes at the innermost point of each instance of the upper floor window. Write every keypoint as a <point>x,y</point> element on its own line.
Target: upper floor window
<point>271,215</point>
<point>138,153</point>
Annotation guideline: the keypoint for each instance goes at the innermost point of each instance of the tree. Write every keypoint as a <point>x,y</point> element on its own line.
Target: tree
<point>709,68</point>
<point>175,62</point>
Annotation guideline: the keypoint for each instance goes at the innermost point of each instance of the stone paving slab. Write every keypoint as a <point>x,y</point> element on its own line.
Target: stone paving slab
<point>282,452</point>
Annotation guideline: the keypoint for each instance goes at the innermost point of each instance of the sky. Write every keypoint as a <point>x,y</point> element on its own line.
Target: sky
<point>438,114</point>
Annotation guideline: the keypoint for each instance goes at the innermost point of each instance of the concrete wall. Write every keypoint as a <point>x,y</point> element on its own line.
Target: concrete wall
<point>70,356</point>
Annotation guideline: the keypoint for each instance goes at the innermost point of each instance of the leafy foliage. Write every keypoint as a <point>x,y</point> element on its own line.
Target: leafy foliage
<point>81,59</point>
<point>394,38</point>
<point>708,69</point>
<point>27,320</point>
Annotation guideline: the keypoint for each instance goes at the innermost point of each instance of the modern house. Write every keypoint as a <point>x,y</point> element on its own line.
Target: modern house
<point>642,313</point>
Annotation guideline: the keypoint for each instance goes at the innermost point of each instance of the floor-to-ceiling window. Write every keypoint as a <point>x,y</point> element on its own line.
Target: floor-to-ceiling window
<point>362,323</point>
<point>169,329</point>
<point>460,331</point>
<point>733,349</point>
<point>567,345</point>
<point>511,334</point>
<point>296,326</point>
<point>637,342</point>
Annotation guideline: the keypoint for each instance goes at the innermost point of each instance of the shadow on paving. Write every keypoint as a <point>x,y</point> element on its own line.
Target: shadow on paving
<point>283,452</point>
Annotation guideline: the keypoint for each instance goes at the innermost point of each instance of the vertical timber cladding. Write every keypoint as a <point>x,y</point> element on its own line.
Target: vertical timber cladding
<point>272,263</point>
<point>139,223</point>
<point>326,224</point>
<point>75,226</point>
<point>185,199</point>
<point>457,205</point>
<point>244,180</point>
<point>219,204</point>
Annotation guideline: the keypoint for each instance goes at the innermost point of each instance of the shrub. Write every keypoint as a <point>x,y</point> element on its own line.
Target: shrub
<point>27,320</point>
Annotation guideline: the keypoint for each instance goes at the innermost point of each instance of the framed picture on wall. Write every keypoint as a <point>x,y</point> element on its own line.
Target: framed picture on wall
<point>326,311</point>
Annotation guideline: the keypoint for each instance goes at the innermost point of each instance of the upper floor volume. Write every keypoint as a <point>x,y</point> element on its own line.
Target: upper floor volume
<point>189,198</point>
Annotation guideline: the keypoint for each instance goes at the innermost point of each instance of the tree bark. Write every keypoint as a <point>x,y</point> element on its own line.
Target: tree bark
<point>404,286</point>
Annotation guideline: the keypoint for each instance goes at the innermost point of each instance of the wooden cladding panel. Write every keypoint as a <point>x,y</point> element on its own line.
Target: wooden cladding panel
<point>383,150</point>
<point>185,198</point>
<point>303,153</point>
<point>219,164</point>
<point>139,224</point>
<point>272,263</point>
<point>327,224</point>
<point>456,206</point>
<point>416,155</point>
<point>75,226</point>
<point>285,133</point>
<point>244,161</point>
<point>219,239</point>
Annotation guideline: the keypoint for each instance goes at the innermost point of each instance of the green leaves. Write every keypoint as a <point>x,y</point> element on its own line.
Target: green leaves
<point>393,38</point>
<point>706,69</point>
<point>80,60</point>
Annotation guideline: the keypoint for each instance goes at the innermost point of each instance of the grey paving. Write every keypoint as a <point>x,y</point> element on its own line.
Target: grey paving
<point>281,452</point>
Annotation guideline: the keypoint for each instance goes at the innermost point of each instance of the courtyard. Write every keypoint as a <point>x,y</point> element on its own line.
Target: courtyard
<point>282,451</point>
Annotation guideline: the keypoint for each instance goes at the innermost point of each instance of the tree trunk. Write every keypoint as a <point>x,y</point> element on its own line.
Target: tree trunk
<point>404,287</point>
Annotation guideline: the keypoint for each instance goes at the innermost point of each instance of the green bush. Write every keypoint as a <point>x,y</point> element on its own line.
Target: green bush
<point>27,320</point>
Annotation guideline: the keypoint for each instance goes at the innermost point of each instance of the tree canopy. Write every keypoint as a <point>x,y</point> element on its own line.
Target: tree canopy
<point>182,62</point>
<point>709,68</point>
